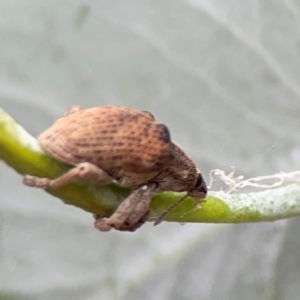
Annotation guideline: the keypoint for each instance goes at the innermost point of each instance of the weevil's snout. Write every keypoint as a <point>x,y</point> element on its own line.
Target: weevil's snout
<point>200,190</point>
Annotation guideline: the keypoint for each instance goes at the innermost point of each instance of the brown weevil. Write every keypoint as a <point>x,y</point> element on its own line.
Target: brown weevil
<point>126,145</point>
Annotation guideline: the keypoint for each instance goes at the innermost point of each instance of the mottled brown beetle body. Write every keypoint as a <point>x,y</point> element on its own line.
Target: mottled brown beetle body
<point>126,143</point>
<point>117,143</point>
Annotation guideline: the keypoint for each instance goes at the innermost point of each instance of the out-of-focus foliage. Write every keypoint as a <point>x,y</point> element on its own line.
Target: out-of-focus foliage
<point>223,75</point>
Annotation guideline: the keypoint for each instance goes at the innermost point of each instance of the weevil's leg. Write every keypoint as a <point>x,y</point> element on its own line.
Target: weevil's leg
<point>138,224</point>
<point>72,109</point>
<point>117,219</point>
<point>101,224</point>
<point>141,209</point>
<point>131,213</point>
<point>124,210</point>
<point>85,170</point>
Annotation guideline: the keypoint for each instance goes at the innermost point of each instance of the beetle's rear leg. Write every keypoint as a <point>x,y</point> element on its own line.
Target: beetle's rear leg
<point>85,170</point>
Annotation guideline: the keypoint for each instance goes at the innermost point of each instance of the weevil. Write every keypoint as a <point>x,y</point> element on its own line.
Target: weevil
<point>128,146</point>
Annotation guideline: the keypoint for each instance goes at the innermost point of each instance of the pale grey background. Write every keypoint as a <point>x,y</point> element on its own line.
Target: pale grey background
<point>223,75</point>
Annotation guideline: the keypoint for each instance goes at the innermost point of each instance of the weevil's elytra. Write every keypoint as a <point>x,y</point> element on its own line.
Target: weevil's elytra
<point>122,141</point>
<point>117,143</point>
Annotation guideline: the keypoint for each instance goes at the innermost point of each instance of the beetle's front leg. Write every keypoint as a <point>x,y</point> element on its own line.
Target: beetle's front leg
<point>141,212</point>
<point>131,213</point>
<point>118,218</point>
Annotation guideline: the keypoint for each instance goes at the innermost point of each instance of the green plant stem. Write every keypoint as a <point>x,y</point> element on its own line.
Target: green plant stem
<point>22,153</point>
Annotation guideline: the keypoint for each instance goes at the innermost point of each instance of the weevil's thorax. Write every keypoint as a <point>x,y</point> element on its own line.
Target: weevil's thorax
<point>181,176</point>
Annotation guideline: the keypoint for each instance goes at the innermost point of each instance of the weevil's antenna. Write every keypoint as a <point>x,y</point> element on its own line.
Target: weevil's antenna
<point>161,217</point>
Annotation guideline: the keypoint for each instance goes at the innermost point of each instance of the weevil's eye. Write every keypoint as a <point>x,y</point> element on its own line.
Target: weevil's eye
<point>200,190</point>
<point>199,180</point>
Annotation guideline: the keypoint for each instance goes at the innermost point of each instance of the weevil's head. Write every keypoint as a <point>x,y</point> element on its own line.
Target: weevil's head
<point>199,192</point>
